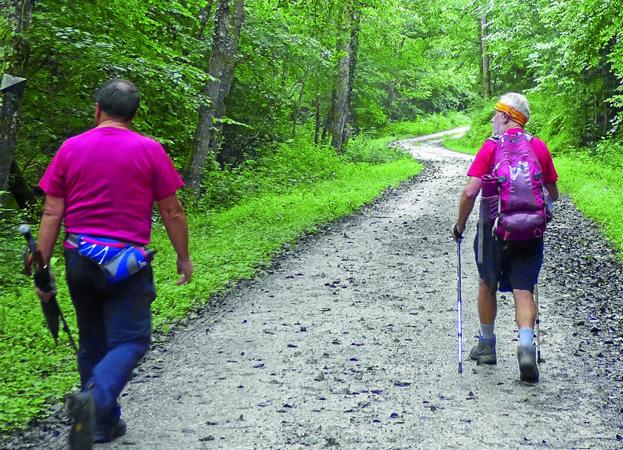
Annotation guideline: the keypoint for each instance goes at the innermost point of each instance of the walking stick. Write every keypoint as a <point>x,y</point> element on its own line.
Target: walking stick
<point>537,324</point>
<point>459,308</point>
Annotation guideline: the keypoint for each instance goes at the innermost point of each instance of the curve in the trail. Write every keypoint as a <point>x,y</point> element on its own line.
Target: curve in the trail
<point>349,342</point>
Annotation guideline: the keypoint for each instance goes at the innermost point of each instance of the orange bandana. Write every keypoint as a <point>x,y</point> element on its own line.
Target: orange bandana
<point>513,113</point>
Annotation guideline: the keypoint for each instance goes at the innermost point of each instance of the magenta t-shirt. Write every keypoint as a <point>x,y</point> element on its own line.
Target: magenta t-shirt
<point>109,178</point>
<point>483,163</point>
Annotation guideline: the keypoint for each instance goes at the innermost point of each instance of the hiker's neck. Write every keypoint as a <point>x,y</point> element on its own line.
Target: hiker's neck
<point>103,119</point>
<point>512,125</point>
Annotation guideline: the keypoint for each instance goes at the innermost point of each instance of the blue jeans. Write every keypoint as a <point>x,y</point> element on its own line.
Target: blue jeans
<point>114,324</point>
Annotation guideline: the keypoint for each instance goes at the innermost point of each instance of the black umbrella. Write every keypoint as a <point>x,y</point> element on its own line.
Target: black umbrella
<point>43,280</point>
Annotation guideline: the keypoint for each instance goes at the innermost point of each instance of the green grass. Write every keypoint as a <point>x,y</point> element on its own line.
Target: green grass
<point>243,220</point>
<point>597,190</point>
<point>461,145</point>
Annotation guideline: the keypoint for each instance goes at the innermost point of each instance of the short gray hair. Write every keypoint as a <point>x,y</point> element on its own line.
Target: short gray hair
<point>118,98</point>
<point>518,102</point>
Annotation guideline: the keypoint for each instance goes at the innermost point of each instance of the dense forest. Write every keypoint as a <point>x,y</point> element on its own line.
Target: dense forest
<point>261,96</point>
<point>224,80</point>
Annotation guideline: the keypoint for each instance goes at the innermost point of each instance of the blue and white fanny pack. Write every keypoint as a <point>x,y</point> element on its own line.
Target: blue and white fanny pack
<point>118,259</point>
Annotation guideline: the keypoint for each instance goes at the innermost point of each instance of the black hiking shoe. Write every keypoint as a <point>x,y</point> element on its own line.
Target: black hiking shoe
<point>484,351</point>
<point>81,409</point>
<point>110,433</point>
<point>528,368</point>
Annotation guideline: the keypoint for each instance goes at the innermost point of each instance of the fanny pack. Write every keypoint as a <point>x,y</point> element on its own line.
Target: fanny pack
<point>119,260</point>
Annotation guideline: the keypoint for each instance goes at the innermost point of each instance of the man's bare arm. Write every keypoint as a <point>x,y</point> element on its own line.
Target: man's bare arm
<point>468,199</point>
<point>175,223</point>
<point>53,211</point>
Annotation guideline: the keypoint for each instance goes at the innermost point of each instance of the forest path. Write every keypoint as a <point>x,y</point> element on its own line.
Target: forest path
<point>349,341</point>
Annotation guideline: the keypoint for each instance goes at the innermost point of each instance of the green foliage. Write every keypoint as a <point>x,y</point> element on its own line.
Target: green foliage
<point>276,169</point>
<point>285,69</point>
<point>75,48</point>
<point>34,371</point>
<point>569,54</point>
<point>408,63</point>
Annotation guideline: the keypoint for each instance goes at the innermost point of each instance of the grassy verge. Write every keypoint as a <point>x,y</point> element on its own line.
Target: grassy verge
<point>244,219</point>
<point>597,190</point>
<point>460,145</point>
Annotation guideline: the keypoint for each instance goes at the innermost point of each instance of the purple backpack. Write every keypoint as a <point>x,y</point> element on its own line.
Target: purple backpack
<point>521,212</point>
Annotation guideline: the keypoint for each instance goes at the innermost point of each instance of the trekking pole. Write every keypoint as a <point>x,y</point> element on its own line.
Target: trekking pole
<point>43,281</point>
<point>459,308</point>
<point>537,324</point>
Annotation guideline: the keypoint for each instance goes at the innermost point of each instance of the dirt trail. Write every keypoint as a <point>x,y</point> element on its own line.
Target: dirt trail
<point>349,342</point>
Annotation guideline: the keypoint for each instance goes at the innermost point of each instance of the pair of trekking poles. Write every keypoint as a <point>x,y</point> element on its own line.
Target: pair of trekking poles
<point>459,313</point>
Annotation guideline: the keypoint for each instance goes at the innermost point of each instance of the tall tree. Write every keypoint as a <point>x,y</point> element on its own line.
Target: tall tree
<point>229,19</point>
<point>17,15</point>
<point>347,48</point>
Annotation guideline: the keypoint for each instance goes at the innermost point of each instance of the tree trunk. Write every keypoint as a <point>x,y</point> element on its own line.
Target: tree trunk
<point>204,18</point>
<point>8,131</point>
<point>221,69</point>
<point>340,109</point>
<point>19,187</point>
<point>389,104</point>
<point>296,112</point>
<point>354,47</point>
<point>328,120</point>
<point>228,78</point>
<point>318,119</point>
<point>486,74</point>
<point>347,46</point>
<point>18,14</point>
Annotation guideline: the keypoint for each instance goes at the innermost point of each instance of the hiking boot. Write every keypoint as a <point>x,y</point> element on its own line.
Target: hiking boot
<point>81,409</point>
<point>528,369</point>
<point>484,351</point>
<point>110,433</point>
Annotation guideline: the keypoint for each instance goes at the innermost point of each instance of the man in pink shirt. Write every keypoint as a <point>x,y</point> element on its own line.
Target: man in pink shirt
<point>514,265</point>
<point>103,184</point>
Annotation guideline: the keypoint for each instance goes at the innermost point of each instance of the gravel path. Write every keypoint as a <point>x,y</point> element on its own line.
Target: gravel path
<point>349,342</point>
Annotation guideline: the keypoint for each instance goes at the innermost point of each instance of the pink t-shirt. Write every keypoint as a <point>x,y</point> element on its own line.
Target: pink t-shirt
<point>109,178</point>
<point>483,163</point>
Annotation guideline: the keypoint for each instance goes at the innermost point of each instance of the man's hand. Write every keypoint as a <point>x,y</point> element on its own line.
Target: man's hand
<point>457,232</point>
<point>185,268</point>
<point>46,296</point>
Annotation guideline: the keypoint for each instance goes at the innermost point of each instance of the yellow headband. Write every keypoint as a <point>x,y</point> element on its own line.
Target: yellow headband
<point>513,113</point>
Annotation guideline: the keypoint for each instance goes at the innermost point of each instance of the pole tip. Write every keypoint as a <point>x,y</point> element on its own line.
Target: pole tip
<point>23,228</point>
